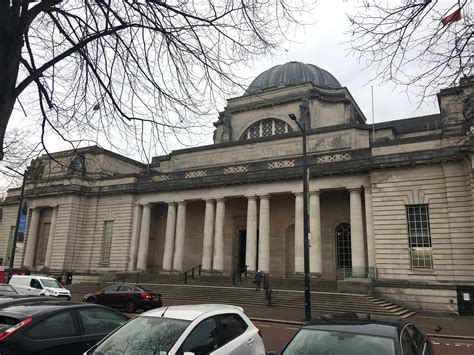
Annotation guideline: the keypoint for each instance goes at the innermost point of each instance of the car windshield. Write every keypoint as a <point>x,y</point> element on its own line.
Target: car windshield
<point>50,283</point>
<point>321,342</point>
<point>143,335</point>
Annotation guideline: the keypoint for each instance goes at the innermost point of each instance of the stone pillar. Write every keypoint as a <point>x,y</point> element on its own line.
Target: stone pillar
<point>49,247</point>
<point>369,220</point>
<point>144,238</point>
<point>264,238</point>
<point>316,261</point>
<point>137,217</point>
<point>180,234</point>
<point>208,236</point>
<point>357,235</point>
<point>251,245</point>
<point>299,230</point>
<point>218,257</point>
<point>169,237</point>
<point>32,237</point>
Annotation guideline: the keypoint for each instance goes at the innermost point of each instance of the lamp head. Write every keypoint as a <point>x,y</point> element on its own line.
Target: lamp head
<point>293,117</point>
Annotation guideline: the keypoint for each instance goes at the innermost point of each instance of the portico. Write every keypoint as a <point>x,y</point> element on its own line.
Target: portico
<point>216,224</point>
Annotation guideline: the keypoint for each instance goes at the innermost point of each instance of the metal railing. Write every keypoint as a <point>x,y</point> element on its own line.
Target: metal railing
<point>192,272</point>
<point>237,274</point>
<point>267,286</point>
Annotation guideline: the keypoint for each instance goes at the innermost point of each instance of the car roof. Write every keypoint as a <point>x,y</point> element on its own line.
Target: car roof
<point>32,308</point>
<point>30,276</point>
<point>358,323</point>
<point>190,312</point>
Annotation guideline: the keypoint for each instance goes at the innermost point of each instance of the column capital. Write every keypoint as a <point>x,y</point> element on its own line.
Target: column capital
<point>181,202</point>
<point>251,197</point>
<point>221,199</point>
<point>354,189</point>
<point>146,204</point>
<point>264,197</point>
<point>172,203</point>
<point>298,193</point>
<point>209,200</point>
<point>315,193</point>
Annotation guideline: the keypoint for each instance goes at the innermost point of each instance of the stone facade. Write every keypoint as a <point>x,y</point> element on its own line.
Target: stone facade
<point>239,202</point>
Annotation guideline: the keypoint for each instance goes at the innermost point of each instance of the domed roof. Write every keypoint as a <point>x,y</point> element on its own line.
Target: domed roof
<point>292,73</point>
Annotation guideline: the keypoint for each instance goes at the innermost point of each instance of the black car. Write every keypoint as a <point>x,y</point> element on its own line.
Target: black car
<point>357,334</point>
<point>57,327</point>
<point>128,297</point>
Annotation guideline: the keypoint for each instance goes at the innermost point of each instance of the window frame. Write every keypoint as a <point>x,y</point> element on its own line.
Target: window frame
<point>419,236</point>
<point>41,324</point>
<point>249,133</point>
<point>347,246</point>
<point>81,323</point>
<point>106,244</point>
<point>221,328</point>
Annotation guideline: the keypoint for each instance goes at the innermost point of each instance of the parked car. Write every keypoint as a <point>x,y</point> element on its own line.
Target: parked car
<point>54,327</point>
<point>7,290</point>
<point>39,285</point>
<point>358,334</point>
<point>185,330</point>
<point>130,297</point>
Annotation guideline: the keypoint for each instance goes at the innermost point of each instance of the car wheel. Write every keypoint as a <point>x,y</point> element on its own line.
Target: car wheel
<point>91,300</point>
<point>130,306</point>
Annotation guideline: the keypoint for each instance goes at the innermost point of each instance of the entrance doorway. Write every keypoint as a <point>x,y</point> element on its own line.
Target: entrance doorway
<point>344,249</point>
<point>290,251</point>
<point>242,248</point>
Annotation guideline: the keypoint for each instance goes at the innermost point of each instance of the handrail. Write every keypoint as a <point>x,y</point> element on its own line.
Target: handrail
<point>267,286</point>
<point>238,273</point>
<point>192,272</point>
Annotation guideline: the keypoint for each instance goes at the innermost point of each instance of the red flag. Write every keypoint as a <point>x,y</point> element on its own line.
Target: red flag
<point>455,16</point>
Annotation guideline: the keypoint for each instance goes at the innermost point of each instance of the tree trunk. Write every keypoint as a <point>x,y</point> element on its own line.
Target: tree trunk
<point>10,52</point>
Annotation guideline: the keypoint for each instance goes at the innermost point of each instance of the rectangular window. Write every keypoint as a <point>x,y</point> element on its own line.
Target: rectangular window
<point>419,237</point>
<point>9,246</point>
<point>106,242</point>
<point>42,244</point>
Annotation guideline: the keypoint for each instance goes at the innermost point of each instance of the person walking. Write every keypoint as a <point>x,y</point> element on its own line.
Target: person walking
<point>258,280</point>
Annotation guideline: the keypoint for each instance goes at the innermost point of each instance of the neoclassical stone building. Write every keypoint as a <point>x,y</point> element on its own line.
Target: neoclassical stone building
<point>391,205</point>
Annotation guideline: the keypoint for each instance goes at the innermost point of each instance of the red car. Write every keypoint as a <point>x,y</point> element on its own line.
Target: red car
<point>130,297</point>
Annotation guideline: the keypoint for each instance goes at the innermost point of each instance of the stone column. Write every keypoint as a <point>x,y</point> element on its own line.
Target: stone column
<point>218,257</point>
<point>369,220</point>
<point>251,245</point>
<point>208,236</point>
<point>299,230</point>
<point>144,238</point>
<point>264,238</point>
<point>32,237</point>
<point>357,235</point>
<point>137,217</point>
<point>49,247</point>
<point>180,234</point>
<point>169,237</point>
<point>316,261</point>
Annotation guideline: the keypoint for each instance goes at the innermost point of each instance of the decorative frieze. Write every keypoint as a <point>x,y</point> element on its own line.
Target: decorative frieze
<point>332,158</point>
<point>195,174</point>
<point>281,164</point>
<point>160,178</point>
<point>236,169</point>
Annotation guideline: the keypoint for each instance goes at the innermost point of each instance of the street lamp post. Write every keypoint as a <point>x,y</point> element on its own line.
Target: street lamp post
<point>307,287</point>
<point>17,225</point>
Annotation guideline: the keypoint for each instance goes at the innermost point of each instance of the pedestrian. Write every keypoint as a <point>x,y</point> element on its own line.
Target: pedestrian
<point>258,279</point>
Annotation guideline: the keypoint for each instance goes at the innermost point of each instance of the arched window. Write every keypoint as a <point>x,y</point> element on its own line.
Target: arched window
<point>343,239</point>
<point>267,127</point>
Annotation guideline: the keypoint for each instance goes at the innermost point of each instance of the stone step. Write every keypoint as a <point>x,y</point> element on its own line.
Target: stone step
<point>321,301</point>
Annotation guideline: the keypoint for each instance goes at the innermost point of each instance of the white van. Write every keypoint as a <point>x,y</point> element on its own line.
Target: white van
<point>39,285</point>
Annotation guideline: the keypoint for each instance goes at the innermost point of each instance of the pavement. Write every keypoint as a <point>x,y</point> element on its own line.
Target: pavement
<point>434,325</point>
